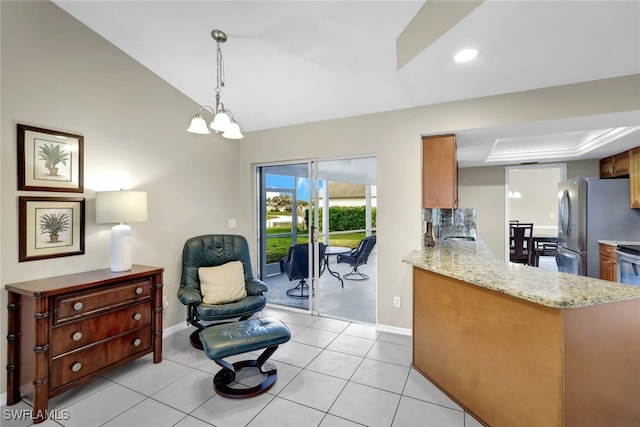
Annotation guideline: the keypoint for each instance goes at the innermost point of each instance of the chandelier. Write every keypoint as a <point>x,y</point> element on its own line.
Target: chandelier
<point>223,120</point>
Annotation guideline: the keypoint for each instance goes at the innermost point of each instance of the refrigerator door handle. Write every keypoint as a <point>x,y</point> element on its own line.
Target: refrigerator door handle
<point>568,255</point>
<point>564,213</point>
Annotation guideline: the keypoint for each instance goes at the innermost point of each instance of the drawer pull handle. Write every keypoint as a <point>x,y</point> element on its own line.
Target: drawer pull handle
<point>137,316</point>
<point>78,306</point>
<point>76,367</point>
<point>139,290</point>
<point>137,342</point>
<point>76,336</point>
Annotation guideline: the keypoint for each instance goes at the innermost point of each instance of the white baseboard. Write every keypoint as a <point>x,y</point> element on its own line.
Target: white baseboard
<point>174,329</point>
<point>393,330</point>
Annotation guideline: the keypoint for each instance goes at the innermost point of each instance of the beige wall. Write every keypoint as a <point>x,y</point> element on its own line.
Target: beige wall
<point>397,150</point>
<point>58,74</point>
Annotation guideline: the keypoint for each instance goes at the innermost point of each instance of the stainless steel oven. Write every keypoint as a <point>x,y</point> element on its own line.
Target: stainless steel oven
<point>629,264</point>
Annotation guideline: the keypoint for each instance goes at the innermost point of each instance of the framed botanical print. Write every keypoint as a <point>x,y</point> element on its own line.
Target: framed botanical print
<point>50,227</point>
<point>49,160</point>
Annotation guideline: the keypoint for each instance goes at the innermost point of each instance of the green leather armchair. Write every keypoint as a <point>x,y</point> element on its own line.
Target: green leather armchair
<point>212,250</point>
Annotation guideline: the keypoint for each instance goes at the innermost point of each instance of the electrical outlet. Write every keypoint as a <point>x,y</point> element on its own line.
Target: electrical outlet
<point>396,302</point>
<point>165,302</point>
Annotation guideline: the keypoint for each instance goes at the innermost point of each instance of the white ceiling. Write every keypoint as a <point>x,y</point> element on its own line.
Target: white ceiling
<point>291,62</point>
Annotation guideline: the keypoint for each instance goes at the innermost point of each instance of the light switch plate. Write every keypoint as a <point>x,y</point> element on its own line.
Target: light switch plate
<point>233,223</point>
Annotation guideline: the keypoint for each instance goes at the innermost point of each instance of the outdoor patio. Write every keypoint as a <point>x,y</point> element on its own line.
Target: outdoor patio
<point>355,302</point>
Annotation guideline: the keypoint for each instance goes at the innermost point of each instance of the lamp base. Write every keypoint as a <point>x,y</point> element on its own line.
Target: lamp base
<point>120,248</point>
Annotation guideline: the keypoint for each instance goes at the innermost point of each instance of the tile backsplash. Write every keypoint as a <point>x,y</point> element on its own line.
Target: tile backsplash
<point>449,222</point>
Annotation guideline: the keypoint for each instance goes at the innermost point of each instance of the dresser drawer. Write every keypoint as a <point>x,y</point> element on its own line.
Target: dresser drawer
<point>72,306</point>
<point>80,363</point>
<point>71,336</point>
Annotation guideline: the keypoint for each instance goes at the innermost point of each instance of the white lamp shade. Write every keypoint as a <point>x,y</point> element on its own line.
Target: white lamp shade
<point>198,125</point>
<point>121,206</point>
<point>220,122</point>
<point>233,131</point>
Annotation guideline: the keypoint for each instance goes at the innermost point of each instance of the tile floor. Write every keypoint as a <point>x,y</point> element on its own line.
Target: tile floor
<point>332,373</point>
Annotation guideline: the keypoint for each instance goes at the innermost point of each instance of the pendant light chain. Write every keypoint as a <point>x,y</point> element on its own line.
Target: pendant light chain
<point>220,69</point>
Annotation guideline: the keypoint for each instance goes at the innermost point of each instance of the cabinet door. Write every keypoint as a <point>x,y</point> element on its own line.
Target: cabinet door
<point>608,262</point>
<point>621,164</point>
<point>439,172</point>
<point>634,177</point>
<point>606,167</point>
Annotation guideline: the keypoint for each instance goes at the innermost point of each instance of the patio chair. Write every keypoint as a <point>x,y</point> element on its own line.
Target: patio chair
<point>296,265</point>
<point>358,257</point>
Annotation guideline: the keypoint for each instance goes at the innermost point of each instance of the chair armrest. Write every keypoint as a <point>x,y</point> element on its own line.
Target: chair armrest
<point>189,296</point>
<point>256,287</point>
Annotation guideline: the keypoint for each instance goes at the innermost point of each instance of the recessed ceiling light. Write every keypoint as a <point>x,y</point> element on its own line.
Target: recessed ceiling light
<point>465,55</point>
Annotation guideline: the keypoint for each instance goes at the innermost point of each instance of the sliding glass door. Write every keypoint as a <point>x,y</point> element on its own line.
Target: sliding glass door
<point>314,203</point>
<point>288,217</point>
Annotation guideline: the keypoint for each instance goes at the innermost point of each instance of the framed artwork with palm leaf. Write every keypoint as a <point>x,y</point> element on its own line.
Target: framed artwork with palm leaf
<point>49,160</point>
<point>50,227</point>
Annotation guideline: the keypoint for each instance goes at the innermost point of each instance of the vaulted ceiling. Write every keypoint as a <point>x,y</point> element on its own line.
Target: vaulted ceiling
<point>292,62</point>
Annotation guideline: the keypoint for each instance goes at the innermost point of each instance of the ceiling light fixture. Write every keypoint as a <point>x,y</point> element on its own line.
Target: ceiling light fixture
<point>223,120</point>
<point>465,55</point>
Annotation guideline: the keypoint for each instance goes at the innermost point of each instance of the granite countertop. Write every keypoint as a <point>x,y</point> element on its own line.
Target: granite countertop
<point>472,262</point>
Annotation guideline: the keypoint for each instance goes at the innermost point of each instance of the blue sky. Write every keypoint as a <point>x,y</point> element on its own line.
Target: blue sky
<point>280,181</point>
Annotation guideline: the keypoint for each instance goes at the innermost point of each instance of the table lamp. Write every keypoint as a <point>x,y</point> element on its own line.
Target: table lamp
<point>120,207</point>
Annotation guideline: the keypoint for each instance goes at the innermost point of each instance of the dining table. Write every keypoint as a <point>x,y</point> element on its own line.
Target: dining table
<point>335,251</point>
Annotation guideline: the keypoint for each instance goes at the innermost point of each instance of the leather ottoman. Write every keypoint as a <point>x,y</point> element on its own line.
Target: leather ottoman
<point>228,339</point>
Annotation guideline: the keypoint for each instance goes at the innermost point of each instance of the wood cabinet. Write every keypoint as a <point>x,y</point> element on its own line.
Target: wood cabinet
<point>615,166</point>
<point>634,177</point>
<point>67,330</point>
<point>608,262</point>
<point>439,172</point>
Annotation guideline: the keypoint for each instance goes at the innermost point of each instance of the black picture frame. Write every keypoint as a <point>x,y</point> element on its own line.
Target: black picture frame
<point>49,160</point>
<point>50,227</point>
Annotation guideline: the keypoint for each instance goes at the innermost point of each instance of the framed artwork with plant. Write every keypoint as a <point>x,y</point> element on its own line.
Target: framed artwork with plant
<point>50,227</point>
<point>49,160</point>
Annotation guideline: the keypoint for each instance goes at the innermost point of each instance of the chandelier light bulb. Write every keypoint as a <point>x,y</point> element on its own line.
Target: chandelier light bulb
<point>233,131</point>
<point>198,125</point>
<point>221,121</point>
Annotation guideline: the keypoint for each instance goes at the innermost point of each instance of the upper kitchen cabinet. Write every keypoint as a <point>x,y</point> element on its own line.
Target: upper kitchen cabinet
<point>439,172</point>
<point>634,177</point>
<point>615,166</point>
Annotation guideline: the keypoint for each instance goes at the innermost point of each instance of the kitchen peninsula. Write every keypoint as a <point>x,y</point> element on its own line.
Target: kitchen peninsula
<point>518,345</point>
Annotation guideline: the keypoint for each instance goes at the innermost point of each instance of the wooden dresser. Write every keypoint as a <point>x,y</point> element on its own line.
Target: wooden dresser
<point>67,330</point>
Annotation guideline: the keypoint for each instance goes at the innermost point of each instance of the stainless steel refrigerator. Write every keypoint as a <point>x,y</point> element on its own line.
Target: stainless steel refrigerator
<point>589,210</point>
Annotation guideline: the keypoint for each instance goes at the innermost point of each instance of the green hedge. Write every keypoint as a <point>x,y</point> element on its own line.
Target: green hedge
<point>343,218</point>
<point>277,247</point>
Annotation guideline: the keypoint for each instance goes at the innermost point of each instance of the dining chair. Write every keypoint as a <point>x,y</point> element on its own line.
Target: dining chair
<point>522,237</point>
<point>545,248</point>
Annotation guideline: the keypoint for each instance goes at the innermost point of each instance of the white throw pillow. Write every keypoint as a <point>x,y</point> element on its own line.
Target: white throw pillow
<point>223,283</point>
